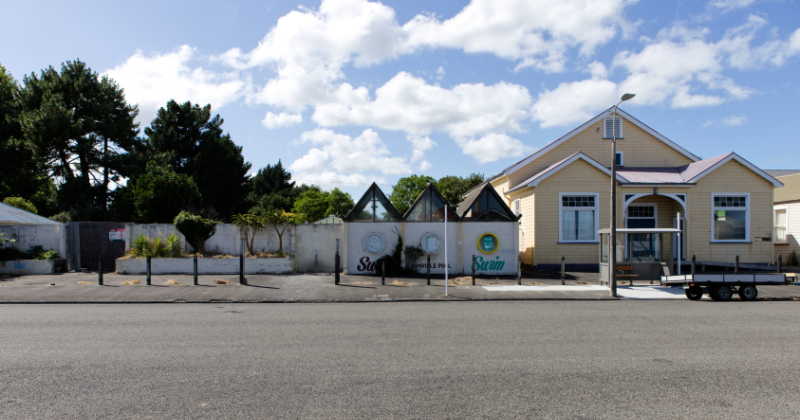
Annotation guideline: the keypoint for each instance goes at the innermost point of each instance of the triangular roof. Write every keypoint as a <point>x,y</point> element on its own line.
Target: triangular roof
<point>431,189</point>
<point>694,171</point>
<point>487,189</point>
<point>519,165</point>
<point>550,170</point>
<point>791,191</point>
<point>10,215</point>
<point>373,192</point>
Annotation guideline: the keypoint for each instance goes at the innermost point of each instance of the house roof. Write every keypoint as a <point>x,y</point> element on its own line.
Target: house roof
<point>550,170</point>
<point>782,172</point>
<point>791,189</point>
<point>10,215</point>
<point>694,171</point>
<point>652,175</point>
<point>519,165</point>
<point>432,189</point>
<point>465,205</point>
<point>373,192</point>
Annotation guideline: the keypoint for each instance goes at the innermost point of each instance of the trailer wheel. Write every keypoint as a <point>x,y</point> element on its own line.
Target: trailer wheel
<point>748,293</point>
<point>694,293</point>
<point>721,293</point>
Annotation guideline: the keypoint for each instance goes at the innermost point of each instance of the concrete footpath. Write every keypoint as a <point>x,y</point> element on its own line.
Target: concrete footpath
<point>83,288</point>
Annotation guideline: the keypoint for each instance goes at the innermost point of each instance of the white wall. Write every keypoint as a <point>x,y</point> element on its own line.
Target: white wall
<point>357,259</point>
<point>508,251</point>
<point>47,236</point>
<point>414,231</point>
<point>316,247</point>
<point>225,241</point>
<point>204,266</point>
<point>23,267</point>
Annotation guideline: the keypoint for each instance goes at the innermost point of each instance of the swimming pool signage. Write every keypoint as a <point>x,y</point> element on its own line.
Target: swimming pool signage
<point>488,243</point>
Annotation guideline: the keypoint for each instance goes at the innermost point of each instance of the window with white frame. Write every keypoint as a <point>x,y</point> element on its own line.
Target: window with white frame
<point>516,207</point>
<point>608,124</point>
<point>578,217</point>
<point>781,224</point>
<point>730,217</point>
<point>620,161</point>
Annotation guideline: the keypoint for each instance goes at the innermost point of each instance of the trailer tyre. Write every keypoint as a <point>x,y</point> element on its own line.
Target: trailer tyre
<point>748,293</point>
<point>720,293</point>
<point>694,293</point>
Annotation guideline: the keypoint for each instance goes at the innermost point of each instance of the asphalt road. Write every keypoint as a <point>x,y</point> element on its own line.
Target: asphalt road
<point>582,359</point>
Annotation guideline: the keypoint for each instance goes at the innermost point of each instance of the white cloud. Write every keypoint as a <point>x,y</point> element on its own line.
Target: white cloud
<point>785,159</point>
<point>440,73</point>
<point>574,102</point>
<point>492,147</point>
<point>421,145</point>
<point>341,154</point>
<point>731,4</point>
<point>734,120</point>
<point>152,81</point>
<point>281,120</point>
<point>536,33</point>
<point>328,180</point>
<point>708,123</point>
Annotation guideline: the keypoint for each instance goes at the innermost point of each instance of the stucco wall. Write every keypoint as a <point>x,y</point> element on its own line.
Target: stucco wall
<point>225,241</point>
<point>47,236</point>
<point>204,266</point>
<point>358,260</point>
<point>316,247</point>
<point>22,267</point>
<point>508,251</point>
<point>414,231</point>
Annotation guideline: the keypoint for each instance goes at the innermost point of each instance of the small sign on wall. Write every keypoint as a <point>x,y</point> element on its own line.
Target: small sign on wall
<point>116,235</point>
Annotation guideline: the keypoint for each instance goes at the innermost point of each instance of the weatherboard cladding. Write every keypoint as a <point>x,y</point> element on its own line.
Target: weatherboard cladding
<point>791,189</point>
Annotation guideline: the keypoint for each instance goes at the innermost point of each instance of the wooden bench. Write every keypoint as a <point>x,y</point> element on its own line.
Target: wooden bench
<point>626,273</point>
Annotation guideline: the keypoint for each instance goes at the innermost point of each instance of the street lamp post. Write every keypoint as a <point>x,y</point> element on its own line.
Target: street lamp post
<point>612,241</point>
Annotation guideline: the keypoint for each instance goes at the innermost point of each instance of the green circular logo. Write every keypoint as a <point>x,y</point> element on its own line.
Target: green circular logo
<point>488,243</point>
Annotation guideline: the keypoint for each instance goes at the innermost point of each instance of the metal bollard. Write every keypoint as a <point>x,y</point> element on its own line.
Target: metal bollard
<point>694,265</point>
<point>473,270</point>
<point>563,266</point>
<point>242,280</point>
<point>780,264</point>
<point>147,282</point>
<point>519,270</point>
<point>336,262</point>
<point>736,265</point>
<point>195,269</point>
<point>428,266</point>
<point>383,272</point>
<point>100,271</point>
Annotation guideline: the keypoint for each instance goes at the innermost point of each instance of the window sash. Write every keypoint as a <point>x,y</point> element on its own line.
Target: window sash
<point>578,217</point>
<point>730,217</point>
<point>781,225</point>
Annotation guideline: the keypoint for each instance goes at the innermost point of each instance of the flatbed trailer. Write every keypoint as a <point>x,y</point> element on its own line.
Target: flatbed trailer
<point>723,286</point>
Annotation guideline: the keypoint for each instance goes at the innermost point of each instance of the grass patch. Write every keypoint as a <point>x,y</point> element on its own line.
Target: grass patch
<point>85,282</point>
<point>135,281</point>
<point>171,281</point>
<point>222,281</point>
<point>459,281</point>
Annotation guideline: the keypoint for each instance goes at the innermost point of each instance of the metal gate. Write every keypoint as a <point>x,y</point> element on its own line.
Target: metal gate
<point>95,243</point>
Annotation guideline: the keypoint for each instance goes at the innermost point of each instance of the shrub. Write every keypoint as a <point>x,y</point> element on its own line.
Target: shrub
<point>21,203</point>
<point>413,253</point>
<point>156,248</point>
<point>393,261</point>
<point>196,229</point>
<point>793,259</point>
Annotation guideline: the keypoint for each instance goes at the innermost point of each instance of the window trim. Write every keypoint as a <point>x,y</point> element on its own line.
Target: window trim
<point>774,228</point>
<point>606,134</point>
<point>621,159</point>
<point>747,218</point>
<point>596,209</point>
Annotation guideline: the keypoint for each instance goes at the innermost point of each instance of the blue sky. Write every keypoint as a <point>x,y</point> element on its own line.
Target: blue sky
<point>347,92</point>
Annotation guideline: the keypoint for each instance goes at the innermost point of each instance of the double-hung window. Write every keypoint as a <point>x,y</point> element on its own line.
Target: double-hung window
<point>730,217</point>
<point>578,217</point>
<point>516,207</point>
<point>781,224</point>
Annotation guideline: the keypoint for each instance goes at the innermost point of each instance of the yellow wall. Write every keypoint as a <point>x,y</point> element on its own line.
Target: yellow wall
<point>527,227</point>
<point>639,149</point>
<point>731,177</point>
<point>578,177</point>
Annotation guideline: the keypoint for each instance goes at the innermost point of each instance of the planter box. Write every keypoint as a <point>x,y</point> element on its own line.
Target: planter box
<point>204,266</point>
<point>20,267</point>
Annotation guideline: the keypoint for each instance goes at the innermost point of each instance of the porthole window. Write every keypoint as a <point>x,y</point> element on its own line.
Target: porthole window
<point>431,243</point>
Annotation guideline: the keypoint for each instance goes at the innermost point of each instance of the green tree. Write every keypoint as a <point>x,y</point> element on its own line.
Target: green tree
<point>21,174</point>
<point>407,189</point>
<point>283,219</point>
<point>21,203</point>
<point>159,194</point>
<point>195,229</point>
<point>186,137</point>
<point>270,188</point>
<point>452,187</point>
<point>78,124</point>
<point>313,203</point>
<point>339,203</point>
<point>249,225</point>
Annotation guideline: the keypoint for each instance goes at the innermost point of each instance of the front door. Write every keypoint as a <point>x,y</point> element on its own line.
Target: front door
<point>641,247</point>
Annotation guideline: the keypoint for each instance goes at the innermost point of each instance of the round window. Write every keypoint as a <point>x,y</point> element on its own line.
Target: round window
<point>488,243</point>
<point>374,243</point>
<point>431,243</point>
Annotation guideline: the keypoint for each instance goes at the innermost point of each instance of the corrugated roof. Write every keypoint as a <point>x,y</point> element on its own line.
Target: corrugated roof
<point>782,172</point>
<point>544,173</point>
<point>694,169</point>
<point>790,190</point>
<point>10,215</point>
<point>652,175</point>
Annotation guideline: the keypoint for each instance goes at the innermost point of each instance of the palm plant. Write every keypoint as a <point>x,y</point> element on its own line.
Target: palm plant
<point>249,225</point>
<point>281,217</point>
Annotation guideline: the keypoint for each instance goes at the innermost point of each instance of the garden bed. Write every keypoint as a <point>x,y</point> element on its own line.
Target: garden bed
<point>204,265</point>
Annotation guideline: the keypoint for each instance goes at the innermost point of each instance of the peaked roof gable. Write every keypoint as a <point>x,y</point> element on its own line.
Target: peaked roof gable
<point>373,193</point>
<point>466,205</point>
<point>431,189</point>
<point>541,152</point>
<point>694,171</point>
<point>550,170</point>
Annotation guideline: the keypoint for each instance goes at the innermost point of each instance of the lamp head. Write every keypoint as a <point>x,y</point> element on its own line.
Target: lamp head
<point>627,96</point>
